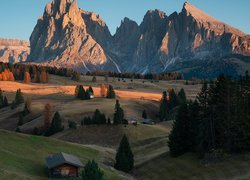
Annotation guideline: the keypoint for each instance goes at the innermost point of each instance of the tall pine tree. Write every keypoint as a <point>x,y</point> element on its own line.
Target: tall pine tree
<point>81,93</point>
<point>163,106</point>
<point>19,99</point>
<point>110,92</point>
<point>178,144</point>
<point>124,156</point>
<point>119,114</point>
<point>92,171</point>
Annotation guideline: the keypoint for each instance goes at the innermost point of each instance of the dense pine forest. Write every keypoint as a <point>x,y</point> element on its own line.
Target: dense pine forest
<point>217,121</point>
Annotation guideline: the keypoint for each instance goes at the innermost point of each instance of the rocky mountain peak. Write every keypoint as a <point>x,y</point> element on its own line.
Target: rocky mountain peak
<point>208,21</point>
<point>196,13</point>
<point>61,38</point>
<point>127,23</point>
<point>60,6</point>
<point>69,36</point>
<point>155,13</point>
<point>154,19</point>
<point>94,17</point>
<point>126,36</point>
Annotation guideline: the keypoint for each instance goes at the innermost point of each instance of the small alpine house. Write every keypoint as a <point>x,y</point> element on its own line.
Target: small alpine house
<point>63,165</point>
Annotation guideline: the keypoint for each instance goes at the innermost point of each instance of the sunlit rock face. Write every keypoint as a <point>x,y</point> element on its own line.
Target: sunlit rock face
<point>13,51</point>
<point>61,38</point>
<point>70,37</point>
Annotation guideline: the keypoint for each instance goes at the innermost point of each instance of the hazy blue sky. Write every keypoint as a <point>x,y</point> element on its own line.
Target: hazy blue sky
<point>18,17</point>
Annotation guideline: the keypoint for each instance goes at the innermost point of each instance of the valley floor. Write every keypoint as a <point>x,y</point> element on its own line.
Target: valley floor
<point>22,156</point>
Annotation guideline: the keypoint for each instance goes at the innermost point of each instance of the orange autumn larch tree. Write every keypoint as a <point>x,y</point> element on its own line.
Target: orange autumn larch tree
<point>11,78</point>
<point>103,90</point>
<point>27,78</point>
<point>43,77</point>
<point>7,75</point>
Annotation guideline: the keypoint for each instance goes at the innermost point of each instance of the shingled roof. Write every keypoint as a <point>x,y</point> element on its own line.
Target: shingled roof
<point>62,158</point>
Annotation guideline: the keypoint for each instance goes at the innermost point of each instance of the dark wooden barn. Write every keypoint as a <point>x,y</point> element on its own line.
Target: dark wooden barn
<point>63,165</point>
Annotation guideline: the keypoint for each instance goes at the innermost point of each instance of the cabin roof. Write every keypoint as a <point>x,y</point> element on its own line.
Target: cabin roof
<point>131,118</point>
<point>62,158</point>
<point>147,121</point>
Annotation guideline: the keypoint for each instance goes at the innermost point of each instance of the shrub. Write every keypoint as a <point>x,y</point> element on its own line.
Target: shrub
<point>72,125</point>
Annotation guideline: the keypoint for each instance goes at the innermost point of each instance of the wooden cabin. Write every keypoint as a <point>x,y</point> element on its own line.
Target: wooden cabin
<point>148,121</point>
<point>63,165</point>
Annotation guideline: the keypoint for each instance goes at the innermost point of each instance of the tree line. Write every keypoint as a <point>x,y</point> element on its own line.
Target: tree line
<point>23,72</point>
<point>218,120</point>
<point>169,102</point>
<point>151,76</point>
<point>33,73</point>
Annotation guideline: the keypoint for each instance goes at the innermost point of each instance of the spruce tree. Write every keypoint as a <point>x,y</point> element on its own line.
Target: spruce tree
<point>87,95</point>
<point>91,90</point>
<point>124,156</point>
<point>72,125</point>
<point>94,79</point>
<point>77,90</point>
<point>110,92</point>
<point>178,144</point>
<point>76,76</point>
<point>19,99</point>
<point>163,106</point>
<point>109,121</point>
<point>97,117</point>
<point>182,96</point>
<point>27,107</point>
<point>56,124</point>
<point>5,102</point>
<point>119,114</point>
<point>81,93</point>
<point>144,114</point>
<point>1,98</point>
<point>92,171</point>
<point>173,99</point>
<point>193,126</point>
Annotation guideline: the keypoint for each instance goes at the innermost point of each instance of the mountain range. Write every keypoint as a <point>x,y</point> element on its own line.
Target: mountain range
<point>190,42</point>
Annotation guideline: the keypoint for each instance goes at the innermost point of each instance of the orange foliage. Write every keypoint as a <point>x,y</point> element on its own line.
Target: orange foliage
<point>103,90</point>
<point>6,75</point>
<point>27,78</point>
<point>43,77</point>
<point>12,78</point>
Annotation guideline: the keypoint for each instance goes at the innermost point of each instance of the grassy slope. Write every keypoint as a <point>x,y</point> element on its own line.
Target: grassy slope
<point>190,167</point>
<point>22,156</point>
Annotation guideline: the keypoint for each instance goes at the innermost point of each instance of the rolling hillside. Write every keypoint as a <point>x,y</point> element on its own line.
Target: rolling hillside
<point>22,156</point>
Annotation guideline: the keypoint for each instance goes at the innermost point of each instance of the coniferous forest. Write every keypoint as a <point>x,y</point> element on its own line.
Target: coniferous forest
<point>218,120</point>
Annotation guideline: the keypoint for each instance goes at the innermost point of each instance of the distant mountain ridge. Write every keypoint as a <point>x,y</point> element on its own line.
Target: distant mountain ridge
<point>187,41</point>
<point>13,50</point>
